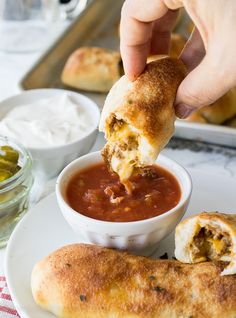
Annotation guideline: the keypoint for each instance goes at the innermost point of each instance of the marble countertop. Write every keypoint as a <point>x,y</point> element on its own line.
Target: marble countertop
<point>191,154</point>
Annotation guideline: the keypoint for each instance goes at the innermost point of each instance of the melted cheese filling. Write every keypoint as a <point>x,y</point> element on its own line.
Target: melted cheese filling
<point>125,153</point>
<point>210,244</point>
<point>218,245</point>
<point>122,132</point>
<point>126,150</point>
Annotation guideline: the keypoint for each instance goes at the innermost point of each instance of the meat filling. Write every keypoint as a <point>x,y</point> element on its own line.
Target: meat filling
<point>210,244</point>
<point>121,152</point>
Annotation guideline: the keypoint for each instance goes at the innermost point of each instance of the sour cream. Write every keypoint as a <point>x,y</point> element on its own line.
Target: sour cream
<point>48,122</point>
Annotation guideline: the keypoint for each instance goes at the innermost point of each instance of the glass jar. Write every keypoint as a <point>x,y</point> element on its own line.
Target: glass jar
<point>23,21</point>
<point>14,192</point>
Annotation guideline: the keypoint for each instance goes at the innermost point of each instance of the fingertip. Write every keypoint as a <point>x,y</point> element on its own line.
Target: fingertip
<point>134,61</point>
<point>201,87</point>
<point>132,71</point>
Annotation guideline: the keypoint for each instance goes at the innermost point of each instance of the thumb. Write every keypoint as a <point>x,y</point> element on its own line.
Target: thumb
<point>202,86</point>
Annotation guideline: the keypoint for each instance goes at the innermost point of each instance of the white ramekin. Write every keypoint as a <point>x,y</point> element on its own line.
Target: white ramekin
<point>142,236</point>
<point>49,161</point>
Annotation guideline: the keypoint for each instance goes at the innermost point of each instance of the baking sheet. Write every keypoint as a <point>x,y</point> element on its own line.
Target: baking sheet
<point>215,134</point>
<point>98,26</point>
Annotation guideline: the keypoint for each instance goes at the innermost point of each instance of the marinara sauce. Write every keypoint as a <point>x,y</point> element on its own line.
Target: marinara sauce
<point>98,193</point>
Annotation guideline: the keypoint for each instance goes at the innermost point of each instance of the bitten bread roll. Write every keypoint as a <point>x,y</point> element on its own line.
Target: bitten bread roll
<point>87,281</point>
<point>92,69</point>
<point>218,112</point>
<point>207,236</point>
<point>138,117</point>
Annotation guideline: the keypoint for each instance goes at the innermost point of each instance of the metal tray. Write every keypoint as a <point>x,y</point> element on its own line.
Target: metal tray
<point>214,134</point>
<point>98,25</point>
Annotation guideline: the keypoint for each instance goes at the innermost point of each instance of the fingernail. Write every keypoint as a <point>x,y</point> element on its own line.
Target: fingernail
<point>183,110</point>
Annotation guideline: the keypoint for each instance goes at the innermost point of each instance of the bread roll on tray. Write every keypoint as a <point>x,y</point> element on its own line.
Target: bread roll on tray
<point>92,69</point>
<point>218,112</point>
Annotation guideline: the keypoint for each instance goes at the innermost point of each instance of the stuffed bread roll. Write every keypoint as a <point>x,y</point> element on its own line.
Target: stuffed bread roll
<point>207,236</point>
<point>218,112</point>
<point>138,117</point>
<point>92,69</point>
<point>87,281</point>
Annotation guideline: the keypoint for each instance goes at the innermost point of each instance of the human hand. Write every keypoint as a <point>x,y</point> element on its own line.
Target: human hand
<point>210,53</point>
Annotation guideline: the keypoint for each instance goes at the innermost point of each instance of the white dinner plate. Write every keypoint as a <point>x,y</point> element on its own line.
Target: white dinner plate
<point>43,230</point>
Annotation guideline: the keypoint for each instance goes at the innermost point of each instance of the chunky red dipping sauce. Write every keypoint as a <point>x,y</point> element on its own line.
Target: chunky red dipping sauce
<point>98,193</point>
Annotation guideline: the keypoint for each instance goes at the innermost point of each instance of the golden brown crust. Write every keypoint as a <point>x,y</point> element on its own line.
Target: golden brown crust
<point>93,69</point>
<point>89,282</point>
<point>149,105</point>
<point>217,113</point>
<point>229,219</point>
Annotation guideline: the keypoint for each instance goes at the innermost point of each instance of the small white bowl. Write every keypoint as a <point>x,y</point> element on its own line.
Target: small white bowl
<point>142,236</point>
<point>49,161</point>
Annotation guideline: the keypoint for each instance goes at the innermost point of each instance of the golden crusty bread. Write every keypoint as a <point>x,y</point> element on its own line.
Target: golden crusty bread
<point>138,117</point>
<point>92,69</point>
<point>218,112</point>
<point>87,281</point>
